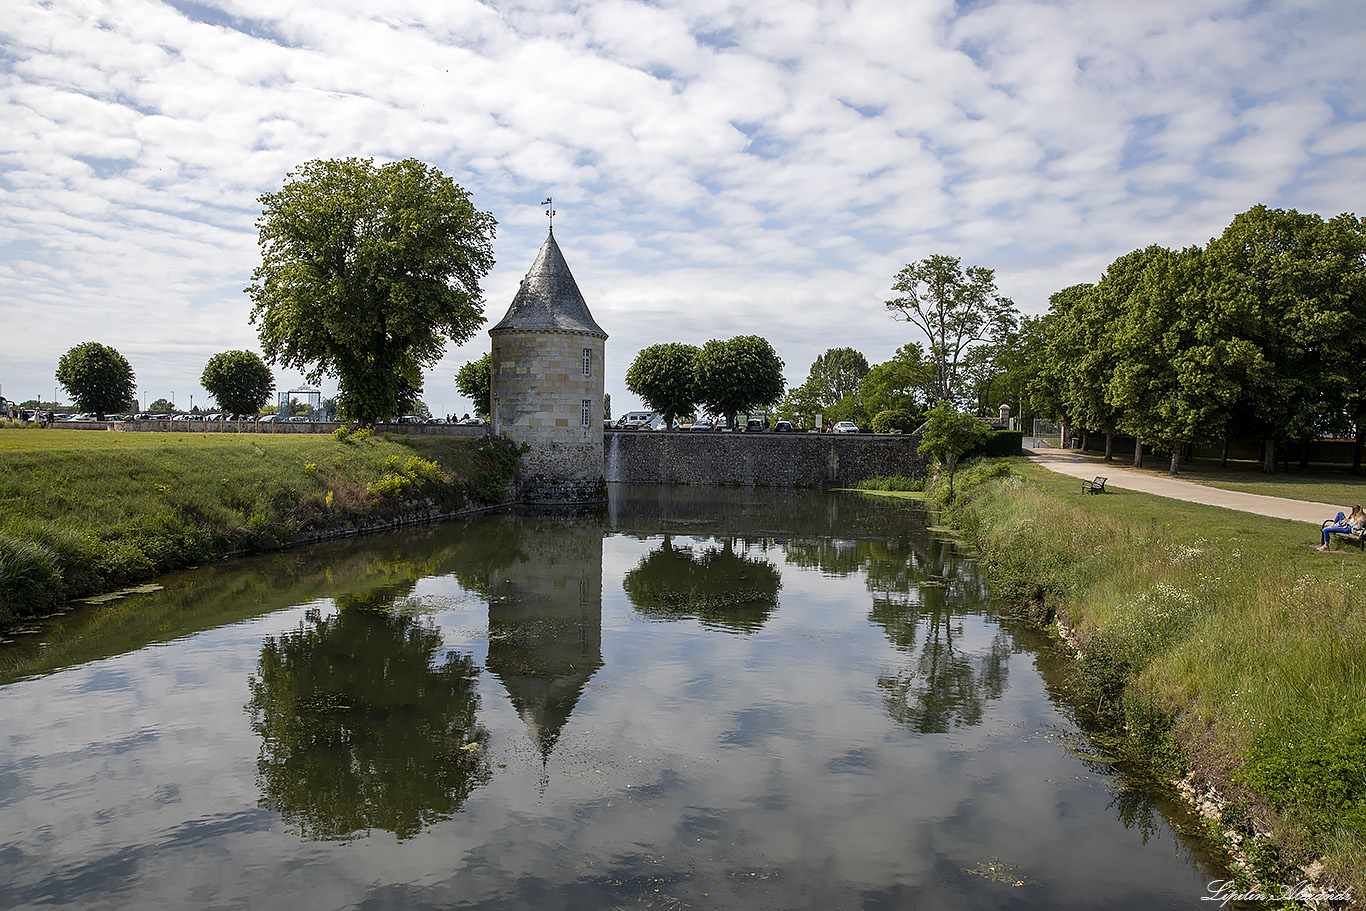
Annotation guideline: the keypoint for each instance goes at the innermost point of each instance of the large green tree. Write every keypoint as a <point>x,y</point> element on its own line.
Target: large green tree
<point>475,382</point>
<point>835,375</point>
<point>1293,286</point>
<point>365,273</point>
<point>239,381</point>
<point>738,374</point>
<point>1079,352</point>
<point>1177,371</point>
<point>97,378</point>
<point>955,308</point>
<point>665,378</point>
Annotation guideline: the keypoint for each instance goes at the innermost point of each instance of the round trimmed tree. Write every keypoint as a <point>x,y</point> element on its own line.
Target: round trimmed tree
<point>239,381</point>
<point>97,378</point>
<point>738,374</point>
<point>664,376</point>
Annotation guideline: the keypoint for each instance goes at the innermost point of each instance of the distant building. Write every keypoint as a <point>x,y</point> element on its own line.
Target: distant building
<point>547,379</point>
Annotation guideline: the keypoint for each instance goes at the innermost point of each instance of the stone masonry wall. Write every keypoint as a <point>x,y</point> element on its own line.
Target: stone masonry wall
<point>760,459</point>
<point>539,387</point>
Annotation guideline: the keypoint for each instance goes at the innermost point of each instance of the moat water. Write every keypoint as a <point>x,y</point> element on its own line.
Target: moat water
<point>700,698</point>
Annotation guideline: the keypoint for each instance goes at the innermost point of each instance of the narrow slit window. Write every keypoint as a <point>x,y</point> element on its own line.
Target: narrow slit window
<point>588,362</point>
<point>586,411</point>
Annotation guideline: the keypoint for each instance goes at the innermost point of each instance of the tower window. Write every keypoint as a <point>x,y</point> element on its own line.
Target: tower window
<point>586,411</point>
<point>588,362</point>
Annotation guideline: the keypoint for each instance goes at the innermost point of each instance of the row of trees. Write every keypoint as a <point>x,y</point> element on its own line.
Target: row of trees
<point>723,377</point>
<point>969,329</point>
<point>100,380</point>
<point>1260,334</point>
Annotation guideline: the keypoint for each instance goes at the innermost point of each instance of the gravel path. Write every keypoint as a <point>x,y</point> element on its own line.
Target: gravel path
<point>1082,465</point>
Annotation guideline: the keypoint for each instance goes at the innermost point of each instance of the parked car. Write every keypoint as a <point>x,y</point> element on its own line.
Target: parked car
<point>754,425</point>
<point>845,427</point>
<point>267,419</point>
<point>635,420</point>
<point>782,427</point>
<point>702,425</point>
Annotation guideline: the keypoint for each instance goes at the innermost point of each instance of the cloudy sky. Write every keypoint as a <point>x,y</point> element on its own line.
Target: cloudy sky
<point>718,168</point>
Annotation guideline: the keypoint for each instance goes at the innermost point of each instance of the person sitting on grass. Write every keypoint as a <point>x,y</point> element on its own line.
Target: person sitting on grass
<point>1344,525</point>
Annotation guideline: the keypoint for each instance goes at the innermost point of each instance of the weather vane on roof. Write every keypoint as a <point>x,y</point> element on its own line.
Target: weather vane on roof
<point>550,213</point>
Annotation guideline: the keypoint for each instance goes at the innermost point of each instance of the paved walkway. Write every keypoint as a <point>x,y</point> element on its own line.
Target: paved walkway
<point>1082,465</point>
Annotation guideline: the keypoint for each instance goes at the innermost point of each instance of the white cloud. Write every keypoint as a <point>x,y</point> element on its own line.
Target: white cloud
<point>719,167</point>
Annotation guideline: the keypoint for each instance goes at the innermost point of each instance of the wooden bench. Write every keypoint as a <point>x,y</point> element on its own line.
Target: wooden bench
<point>1094,486</point>
<point>1359,539</point>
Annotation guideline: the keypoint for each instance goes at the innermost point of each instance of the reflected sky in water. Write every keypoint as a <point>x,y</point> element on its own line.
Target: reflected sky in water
<point>702,698</point>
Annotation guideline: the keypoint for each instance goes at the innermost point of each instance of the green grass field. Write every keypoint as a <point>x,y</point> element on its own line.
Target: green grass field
<point>1222,642</point>
<point>81,512</point>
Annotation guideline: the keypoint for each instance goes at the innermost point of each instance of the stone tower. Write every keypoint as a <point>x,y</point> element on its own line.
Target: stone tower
<point>547,381</point>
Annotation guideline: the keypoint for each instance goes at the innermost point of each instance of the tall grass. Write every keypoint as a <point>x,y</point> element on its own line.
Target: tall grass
<point>892,482</point>
<point>1222,642</point>
<point>84,512</point>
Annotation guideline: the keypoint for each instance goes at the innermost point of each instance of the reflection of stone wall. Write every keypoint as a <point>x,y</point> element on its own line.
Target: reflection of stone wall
<point>538,389</point>
<point>760,459</point>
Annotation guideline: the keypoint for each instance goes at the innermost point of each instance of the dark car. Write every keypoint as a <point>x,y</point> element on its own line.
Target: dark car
<point>782,427</point>
<point>754,425</point>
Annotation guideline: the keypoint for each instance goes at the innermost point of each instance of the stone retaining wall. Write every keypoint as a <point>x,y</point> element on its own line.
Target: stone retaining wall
<point>666,457</point>
<point>759,459</point>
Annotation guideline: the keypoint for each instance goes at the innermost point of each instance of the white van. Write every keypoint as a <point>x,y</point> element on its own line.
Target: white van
<point>635,420</point>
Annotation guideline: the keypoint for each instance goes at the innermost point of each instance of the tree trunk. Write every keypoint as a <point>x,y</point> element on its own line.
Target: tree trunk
<point>1269,456</point>
<point>1356,449</point>
<point>1176,459</point>
<point>1223,459</point>
<point>1138,451</point>
<point>1110,446</point>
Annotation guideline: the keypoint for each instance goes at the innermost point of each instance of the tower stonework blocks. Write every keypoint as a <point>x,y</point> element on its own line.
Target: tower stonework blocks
<point>547,379</point>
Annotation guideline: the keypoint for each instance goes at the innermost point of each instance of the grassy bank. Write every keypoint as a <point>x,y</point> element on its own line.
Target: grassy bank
<point>86,512</point>
<point>1228,649</point>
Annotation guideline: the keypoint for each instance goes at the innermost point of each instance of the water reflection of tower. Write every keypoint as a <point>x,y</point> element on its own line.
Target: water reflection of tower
<point>545,623</point>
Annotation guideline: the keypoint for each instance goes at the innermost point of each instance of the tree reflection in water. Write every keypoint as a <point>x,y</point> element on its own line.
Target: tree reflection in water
<point>918,584</point>
<point>945,685</point>
<point>716,585</point>
<point>362,726</point>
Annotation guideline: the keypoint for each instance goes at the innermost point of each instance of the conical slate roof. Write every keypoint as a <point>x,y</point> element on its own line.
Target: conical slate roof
<point>549,298</point>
